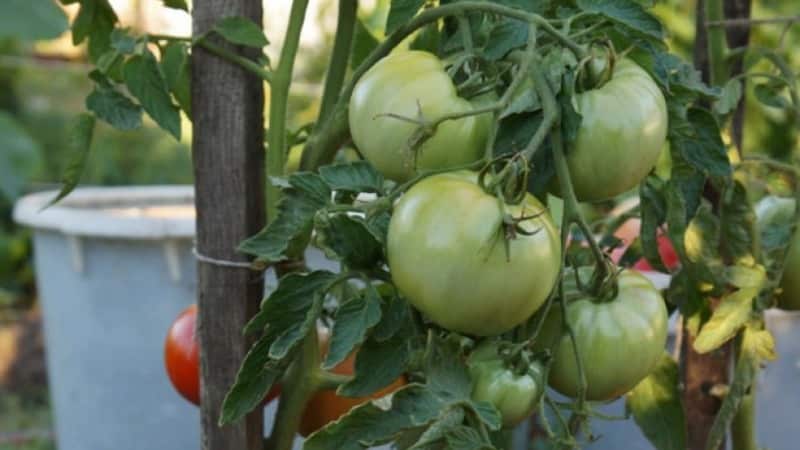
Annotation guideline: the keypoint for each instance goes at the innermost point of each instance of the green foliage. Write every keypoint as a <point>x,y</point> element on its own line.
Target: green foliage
<point>656,406</point>
<point>240,30</point>
<point>31,20</point>
<point>78,147</point>
<point>20,157</point>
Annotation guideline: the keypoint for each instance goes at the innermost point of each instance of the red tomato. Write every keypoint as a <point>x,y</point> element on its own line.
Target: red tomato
<point>629,231</point>
<point>182,357</point>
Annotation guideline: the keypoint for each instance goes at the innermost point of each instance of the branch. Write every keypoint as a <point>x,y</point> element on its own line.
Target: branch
<point>744,23</point>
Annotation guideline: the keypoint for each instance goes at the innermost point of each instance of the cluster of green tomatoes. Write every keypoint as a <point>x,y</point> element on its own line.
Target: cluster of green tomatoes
<point>451,256</point>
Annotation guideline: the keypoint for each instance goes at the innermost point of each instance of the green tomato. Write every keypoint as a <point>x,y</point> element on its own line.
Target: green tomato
<point>406,83</point>
<point>514,395</point>
<point>293,160</point>
<point>447,255</point>
<point>619,339</point>
<point>772,210</point>
<point>622,132</point>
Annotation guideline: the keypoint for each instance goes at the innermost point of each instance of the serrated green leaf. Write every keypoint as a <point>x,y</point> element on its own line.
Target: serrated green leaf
<point>144,80</point>
<point>466,438</point>
<point>253,381</point>
<point>729,97</point>
<point>241,30</point>
<point>699,142</point>
<point>20,156</point>
<point>627,13</point>
<point>656,406</point>
<point>394,316</point>
<point>446,371</point>
<point>400,12</point>
<point>80,141</point>
<point>115,108</point>
<point>176,4</point>
<point>488,414</point>
<point>350,240</point>
<point>738,224</point>
<point>358,176</point>
<point>378,364</point>
<point>505,36</point>
<point>123,42</point>
<point>175,64</point>
<point>409,407</point>
<point>354,318</point>
<point>288,234</point>
<point>28,20</point>
<point>436,432</point>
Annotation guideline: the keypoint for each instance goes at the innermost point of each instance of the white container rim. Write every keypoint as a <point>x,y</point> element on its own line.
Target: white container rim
<point>130,212</point>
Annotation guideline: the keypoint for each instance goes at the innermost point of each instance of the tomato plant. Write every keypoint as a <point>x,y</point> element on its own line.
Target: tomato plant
<point>772,210</point>
<point>402,88</point>
<point>628,232</point>
<point>446,230</point>
<point>467,115</point>
<point>631,318</point>
<point>514,390</point>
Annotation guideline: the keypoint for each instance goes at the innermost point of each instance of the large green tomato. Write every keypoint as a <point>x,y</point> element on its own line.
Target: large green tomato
<point>402,84</point>
<point>513,394</point>
<point>447,255</point>
<point>777,210</point>
<point>620,339</point>
<point>622,132</point>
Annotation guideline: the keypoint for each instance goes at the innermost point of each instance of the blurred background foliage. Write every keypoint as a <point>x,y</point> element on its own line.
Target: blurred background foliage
<point>43,83</point>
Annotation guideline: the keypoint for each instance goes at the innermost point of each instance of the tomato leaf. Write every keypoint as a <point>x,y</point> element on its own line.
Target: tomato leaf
<point>729,97</point>
<point>80,141</point>
<point>255,378</point>
<point>656,406</point>
<point>175,64</point>
<point>771,95</point>
<point>446,371</point>
<point>31,20</point>
<point>363,44</point>
<point>506,35</point>
<point>241,30</point>
<point>394,316</point>
<point>738,224</point>
<point>378,364</point>
<point>288,234</point>
<point>400,12</point>
<point>124,43</point>
<point>734,309</point>
<point>354,318</point>
<point>115,108</point>
<point>627,13</point>
<point>358,176</point>
<point>379,420</point>
<point>95,21</point>
<point>699,142</point>
<point>349,239</point>
<point>757,344</point>
<point>465,438</point>
<point>143,78</point>
<point>653,213</point>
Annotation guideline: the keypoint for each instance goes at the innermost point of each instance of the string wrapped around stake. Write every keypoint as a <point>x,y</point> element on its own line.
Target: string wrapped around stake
<point>256,266</point>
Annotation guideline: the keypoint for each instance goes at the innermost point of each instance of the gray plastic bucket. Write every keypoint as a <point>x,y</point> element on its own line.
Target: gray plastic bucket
<point>114,268</point>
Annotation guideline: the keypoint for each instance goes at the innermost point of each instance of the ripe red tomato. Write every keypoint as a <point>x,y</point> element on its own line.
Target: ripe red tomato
<point>182,357</point>
<point>325,406</point>
<point>629,231</point>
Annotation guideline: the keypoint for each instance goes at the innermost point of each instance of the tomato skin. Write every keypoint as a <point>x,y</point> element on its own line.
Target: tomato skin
<point>514,395</point>
<point>325,406</point>
<point>622,132</point>
<point>773,209</point>
<point>402,83</point>
<point>447,256</point>
<point>620,340</point>
<point>182,357</point>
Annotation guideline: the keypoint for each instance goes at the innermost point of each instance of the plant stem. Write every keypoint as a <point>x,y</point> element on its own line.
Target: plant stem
<point>278,104</point>
<point>340,56</point>
<point>323,143</point>
<point>717,44</point>
<point>239,60</point>
<point>752,22</point>
<point>299,384</point>
<point>549,108</point>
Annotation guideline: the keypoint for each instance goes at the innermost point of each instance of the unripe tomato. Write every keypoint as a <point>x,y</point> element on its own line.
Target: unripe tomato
<point>774,210</point>
<point>622,132</point>
<point>405,83</point>
<point>620,338</point>
<point>325,406</point>
<point>515,395</point>
<point>447,255</point>
<point>182,357</point>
